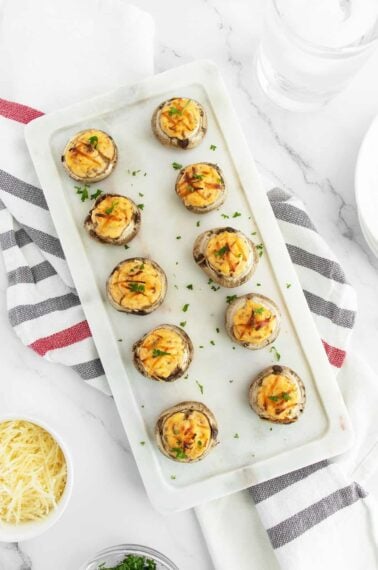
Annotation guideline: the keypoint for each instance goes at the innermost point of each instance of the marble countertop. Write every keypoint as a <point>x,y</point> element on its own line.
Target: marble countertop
<point>313,155</point>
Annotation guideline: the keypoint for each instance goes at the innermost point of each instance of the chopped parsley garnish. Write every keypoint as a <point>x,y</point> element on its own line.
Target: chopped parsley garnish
<point>93,141</point>
<point>198,176</point>
<point>222,251</point>
<point>258,284</point>
<point>176,165</point>
<point>213,147</point>
<point>110,210</point>
<point>253,233</point>
<point>212,342</point>
<point>230,298</point>
<point>142,442</point>
<point>140,194</point>
<point>200,386</point>
<point>199,443</point>
<point>236,436</point>
<point>259,310</point>
<point>96,194</point>
<point>83,191</point>
<point>201,346</point>
<point>135,172</point>
<point>190,286</point>
<point>283,396</point>
<point>276,353</point>
<point>173,477</point>
<point>140,206</point>
<point>126,246</point>
<point>136,287</point>
<point>236,214</point>
<point>210,281</point>
<point>260,249</point>
<point>198,224</point>
<point>120,340</point>
<point>178,237</point>
<point>288,285</point>
<point>185,307</point>
<point>157,352</point>
<point>225,216</point>
<point>183,323</point>
<point>217,329</point>
<point>180,453</point>
<point>174,111</point>
<point>214,288</point>
<point>132,562</point>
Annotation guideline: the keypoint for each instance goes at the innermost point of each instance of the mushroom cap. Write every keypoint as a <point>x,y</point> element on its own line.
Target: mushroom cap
<point>130,230</point>
<point>193,138</point>
<point>212,205</point>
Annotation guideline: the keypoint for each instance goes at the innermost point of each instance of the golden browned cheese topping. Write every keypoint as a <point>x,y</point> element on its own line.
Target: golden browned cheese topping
<point>277,395</point>
<point>162,352</point>
<point>253,322</point>
<point>180,118</point>
<point>136,284</point>
<point>111,216</point>
<point>228,253</point>
<point>186,434</point>
<point>90,153</point>
<point>200,185</point>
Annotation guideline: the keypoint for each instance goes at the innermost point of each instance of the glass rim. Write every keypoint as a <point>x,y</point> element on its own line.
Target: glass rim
<point>320,49</point>
<point>122,549</point>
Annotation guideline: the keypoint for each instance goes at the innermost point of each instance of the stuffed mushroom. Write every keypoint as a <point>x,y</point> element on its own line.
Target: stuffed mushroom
<point>186,432</point>
<point>164,353</point>
<point>90,156</point>
<point>226,255</point>
<point>137,285</point>
<point>180,122</point>
<point>253,321</point>
<point>278,395</point>
<point>113,219</point>
<point>201,187</point>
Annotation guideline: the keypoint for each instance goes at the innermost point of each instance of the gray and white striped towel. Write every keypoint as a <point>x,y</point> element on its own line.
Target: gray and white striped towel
<point>45,310</point>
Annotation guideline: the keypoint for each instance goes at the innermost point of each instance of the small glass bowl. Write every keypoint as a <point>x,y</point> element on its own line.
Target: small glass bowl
<point>115,554</point>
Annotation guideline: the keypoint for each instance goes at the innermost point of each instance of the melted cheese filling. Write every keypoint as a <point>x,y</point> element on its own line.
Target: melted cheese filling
<point>253,322</point>
<point>200,185</point>
<point>228,253</point>
<point>180,118</point>
<point>88,159</point>
<point>136,284</point>
<point>162,340</point>
<point>186,434</point>
<point>112,215</point>
<point>277,396</point>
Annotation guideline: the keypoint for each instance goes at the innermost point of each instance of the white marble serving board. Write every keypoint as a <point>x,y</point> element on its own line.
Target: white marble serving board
<point>261,450</point>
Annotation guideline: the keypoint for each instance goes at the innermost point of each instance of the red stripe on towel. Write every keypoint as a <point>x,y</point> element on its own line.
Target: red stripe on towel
<point>63,338</point>
<point>18,112</point>
<point>336,356</point>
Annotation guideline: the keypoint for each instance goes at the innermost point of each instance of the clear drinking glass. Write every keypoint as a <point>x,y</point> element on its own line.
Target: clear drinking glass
<point>310,49</point>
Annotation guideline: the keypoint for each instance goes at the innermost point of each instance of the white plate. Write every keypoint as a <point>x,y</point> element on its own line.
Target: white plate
<point>366,186</point>
<point>262,450</point>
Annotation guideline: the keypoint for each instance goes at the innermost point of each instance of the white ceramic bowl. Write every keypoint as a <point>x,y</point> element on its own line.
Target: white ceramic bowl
<point>25,531</point>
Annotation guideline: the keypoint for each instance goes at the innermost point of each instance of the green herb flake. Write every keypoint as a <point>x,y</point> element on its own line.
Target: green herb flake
<point>224,216</point>
<point>198,224</point>
<point>111,208</point>
<point>142,442</point>
<point>126,246</point>
<point>83,192</point>
<point>180,453</point>
<point>190,286</point>
<point>236,436</point>
<point>288,285</point>
<point>93,141</point>
<point>135,172</point>
<point>140,206</point>
<point>222,251</point>
<point>157,352</point>
<point>275,352</point>
<point>236,214</point>
<point>214,288</point>
<point>199,443</point>
<point>136,287</point>
<point>230,298</point>
<point>140,194</point>
<point>178,237</point>
<point>200,386</point>
<point>183,323</point>
<point>212,342</point>
<point>185,307</point>
<point>217,329</point>
<point>201,346</point>
<point>176,165</point>
<point>213,147</point>
<point>253,233</point>
<point>260,249</point>
<point>258,284</point>
<point>174,111</point>
<point>173,477</point>
<point>96,194</point>
<point>259,310</point>
<point>198,176</point>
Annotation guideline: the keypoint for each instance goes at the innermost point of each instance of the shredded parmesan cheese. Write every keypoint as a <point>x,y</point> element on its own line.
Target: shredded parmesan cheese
<point>33,472</point>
